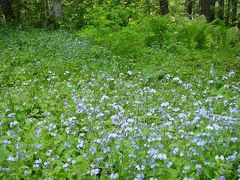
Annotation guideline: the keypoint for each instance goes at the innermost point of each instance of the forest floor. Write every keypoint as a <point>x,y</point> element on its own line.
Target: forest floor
<point>73,105</point>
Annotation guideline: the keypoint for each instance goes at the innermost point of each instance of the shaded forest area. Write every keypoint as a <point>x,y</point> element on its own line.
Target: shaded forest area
<point>81,13</point>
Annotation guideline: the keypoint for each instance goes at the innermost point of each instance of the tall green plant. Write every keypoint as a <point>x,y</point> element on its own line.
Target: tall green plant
<point>159,27</point>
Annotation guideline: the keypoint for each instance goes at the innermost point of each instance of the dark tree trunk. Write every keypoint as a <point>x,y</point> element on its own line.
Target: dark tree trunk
<point>164,7</point>
<point>16,8</point>
<point>234,12</point>
<point>189,8</point>
<point>228,12</point>
<point>207,9</point>
<point>7,10</point>
<point>221,9</point>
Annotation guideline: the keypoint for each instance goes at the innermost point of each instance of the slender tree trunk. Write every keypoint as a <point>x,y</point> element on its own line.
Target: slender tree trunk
<point>47,8</point>
<point>189,8</point>
<point>234,12</point>
<point>207,9</point>
<point>228,12</point>
<point>7,10</point>
<point>221,9</point>
<point>57,8</point>
<point>16,8</point>
<point>164,7</point>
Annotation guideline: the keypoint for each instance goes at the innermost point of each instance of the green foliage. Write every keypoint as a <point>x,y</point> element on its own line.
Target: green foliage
<point>200,34</point>
<point>194,32</point>
<point>126,42</point>
<point>106,16</point>
<point>160,30</point>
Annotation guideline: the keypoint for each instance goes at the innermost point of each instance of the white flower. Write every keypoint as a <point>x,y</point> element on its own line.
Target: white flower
<point>130,72</point>
<point>95,172</point>
<point>219,157</point>
<point>114,176</point>
<point>49,152</point>
<point>234,139</point>
<point>142,167</point>
<point>198,166</point>
<point>175,150</point>
<point>6,141</point>
<point>160,156</point>
<point>10,158</point>
<point>176,79</point>
<point>186,178</point>
<point>73,161</point>
<point>231,74</point>
<point>165,104</point>
<point>104,98</point>
<point>210,127</point>
<point>35,165</point>
<point>13,123</point>
<point>112,135</point>
<point>139,177</point>
<point>80,144</point>
<point>65,165</point>
<point>169,164</point>
<point>38,161</point>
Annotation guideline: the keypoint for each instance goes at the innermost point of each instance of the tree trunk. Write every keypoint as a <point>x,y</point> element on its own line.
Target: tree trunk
<point>207,9</point>
<point>234,12</point>
<point>7,10</point>
<point>57,9</point>
<point>164,7</point>
<point>189,8</point>
<point>228,12</point>
<point>221,9</point>
<point>16,8</point>
<point>47,8</point>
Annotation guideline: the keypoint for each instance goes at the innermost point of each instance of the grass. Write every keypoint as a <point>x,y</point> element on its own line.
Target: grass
<point>89,105</point>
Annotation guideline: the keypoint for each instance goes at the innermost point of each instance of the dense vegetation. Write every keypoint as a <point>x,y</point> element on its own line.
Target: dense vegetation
<point>82,13</point>
<point>129,96</point>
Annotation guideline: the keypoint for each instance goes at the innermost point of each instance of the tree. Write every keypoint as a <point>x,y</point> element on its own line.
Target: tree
<point>47,8</point>
<point>234,12</point>
<point>228,12</point>
<point>189,7</point>
<point>7,10</point>
<point>221,9</point>
<point>208,9</point>
<point>164,7</point>
<point>57,8</point>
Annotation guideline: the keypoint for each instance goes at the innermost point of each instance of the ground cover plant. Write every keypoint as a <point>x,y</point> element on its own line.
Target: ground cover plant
<point>147,101</point>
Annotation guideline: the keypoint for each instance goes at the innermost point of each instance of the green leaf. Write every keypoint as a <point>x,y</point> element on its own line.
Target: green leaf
<point>34,111</point>
<point>173,173</point>
<point>3,154</point>
<point>60,148</point>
